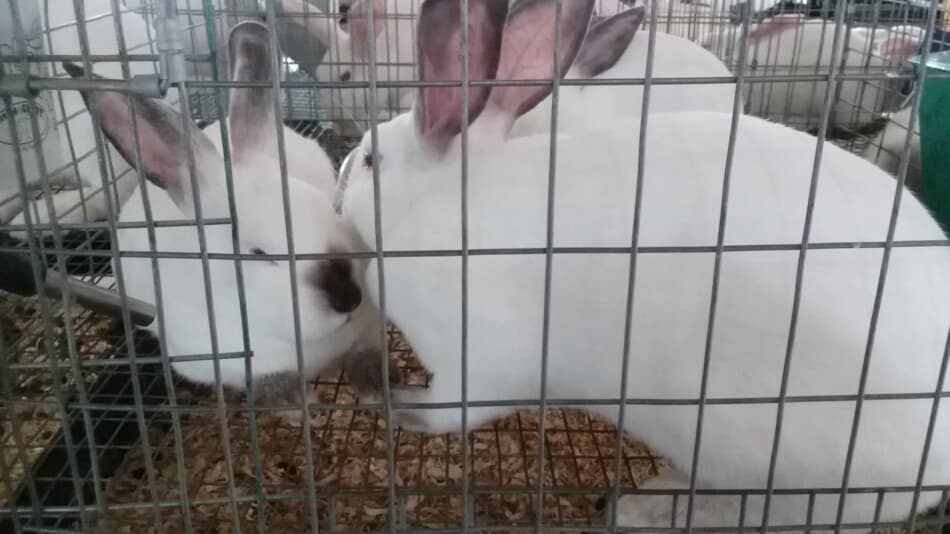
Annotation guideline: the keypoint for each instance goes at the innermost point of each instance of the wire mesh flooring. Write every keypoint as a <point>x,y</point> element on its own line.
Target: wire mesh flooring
<point>156,483</point>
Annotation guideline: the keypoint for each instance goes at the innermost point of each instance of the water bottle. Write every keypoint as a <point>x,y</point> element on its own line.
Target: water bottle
<point>18,116</point>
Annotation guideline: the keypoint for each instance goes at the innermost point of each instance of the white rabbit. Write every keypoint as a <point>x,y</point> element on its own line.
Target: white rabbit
<point>346,57</point>
<point>334,320</point>
<point>609,52</point>
<point>886,149</point>
<point>593,206</point>
<point>791,45</point>
<point>76,131</point>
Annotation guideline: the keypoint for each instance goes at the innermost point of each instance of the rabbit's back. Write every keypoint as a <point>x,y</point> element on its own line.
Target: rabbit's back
<point>589,107</point>
<point>684,168</point>
<point>681,204</point>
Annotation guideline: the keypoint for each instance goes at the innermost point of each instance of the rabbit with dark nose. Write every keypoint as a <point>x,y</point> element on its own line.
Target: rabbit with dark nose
<point>202,310</point>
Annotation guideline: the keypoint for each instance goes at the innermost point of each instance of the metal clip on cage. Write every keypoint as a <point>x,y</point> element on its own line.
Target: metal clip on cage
<point>171,52</point>
<point>170,44</point>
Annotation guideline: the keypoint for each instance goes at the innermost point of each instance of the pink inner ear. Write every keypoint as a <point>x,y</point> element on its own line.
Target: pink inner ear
<point>900,47</point>
<point>359,22</point>
<point>161,151</point>
<point>528,50</point>
<point>439,98</point>
<point>775,25</point>
<point>438,110</point>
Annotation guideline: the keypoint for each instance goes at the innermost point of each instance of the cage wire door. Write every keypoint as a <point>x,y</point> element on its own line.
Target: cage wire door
<point>101,432</point>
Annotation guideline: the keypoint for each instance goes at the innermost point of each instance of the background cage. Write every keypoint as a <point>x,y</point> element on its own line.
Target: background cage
<point>89,441</point>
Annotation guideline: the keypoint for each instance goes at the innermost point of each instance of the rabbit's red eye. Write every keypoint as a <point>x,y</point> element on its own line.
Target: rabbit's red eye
<point>368,161</point>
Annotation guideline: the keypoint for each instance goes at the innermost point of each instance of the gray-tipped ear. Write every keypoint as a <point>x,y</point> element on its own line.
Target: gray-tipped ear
<point>607,40</point>
<point>528,47</point>
<point>438,110</point>
<point>251,111</point>
<point>161,138</point>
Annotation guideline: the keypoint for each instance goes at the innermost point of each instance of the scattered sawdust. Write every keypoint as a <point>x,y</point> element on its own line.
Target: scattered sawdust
<point>26,429</point>
<point>350,471</point>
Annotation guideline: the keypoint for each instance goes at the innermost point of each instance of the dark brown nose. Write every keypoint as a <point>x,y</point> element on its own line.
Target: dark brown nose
<point>335,279</point>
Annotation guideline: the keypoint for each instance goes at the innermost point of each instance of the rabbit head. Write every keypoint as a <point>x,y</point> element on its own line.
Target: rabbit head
<point>156,140</point>
<point>519,47</point>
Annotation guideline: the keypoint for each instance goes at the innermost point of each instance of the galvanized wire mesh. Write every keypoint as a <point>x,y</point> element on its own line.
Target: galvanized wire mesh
<point>95,436</point>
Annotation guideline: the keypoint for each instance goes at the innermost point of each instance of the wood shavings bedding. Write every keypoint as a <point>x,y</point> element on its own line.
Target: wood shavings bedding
<point>350,471</point>
<point>26,429</point>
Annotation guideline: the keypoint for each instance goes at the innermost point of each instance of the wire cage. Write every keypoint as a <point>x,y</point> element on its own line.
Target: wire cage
<point>101,432</point>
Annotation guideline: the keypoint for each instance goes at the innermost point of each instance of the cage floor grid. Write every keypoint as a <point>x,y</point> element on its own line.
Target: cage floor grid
<point>350,470</point>
<point>27,429</point>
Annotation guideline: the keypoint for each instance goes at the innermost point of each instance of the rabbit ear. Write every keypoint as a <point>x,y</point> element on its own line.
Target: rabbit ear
<point>161,139</point>
<point>358,17</point>
<point>438,109</point>
<point>527,51</point>
<point>607,40</point>
<point>251,109</point>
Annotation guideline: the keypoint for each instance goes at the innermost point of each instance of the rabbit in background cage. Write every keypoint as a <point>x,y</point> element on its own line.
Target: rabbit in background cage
<point>609,54</point>
<point>792,45</point>
<point>334,319</point>
<point>72,206</point>
<point>87,202</point>
<point>594,203</point>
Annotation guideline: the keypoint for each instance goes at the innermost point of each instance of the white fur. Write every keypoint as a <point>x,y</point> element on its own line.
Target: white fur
<point>593,207</point>
<point>582,107</point>
<point>325,334</point>
<point>806,50</point>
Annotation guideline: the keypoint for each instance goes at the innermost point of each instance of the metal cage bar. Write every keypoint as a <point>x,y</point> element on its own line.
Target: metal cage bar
<point>141,406</point>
